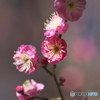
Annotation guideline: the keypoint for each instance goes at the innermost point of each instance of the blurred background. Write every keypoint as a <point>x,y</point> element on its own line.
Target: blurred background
<point>22,22</point>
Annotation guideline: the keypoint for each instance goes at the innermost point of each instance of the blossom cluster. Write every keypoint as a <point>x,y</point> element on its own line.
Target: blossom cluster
<point>53,48</point>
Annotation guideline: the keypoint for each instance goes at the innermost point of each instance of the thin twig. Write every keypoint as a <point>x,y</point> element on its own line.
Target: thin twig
<point>50,73</point>
<point>55,79</point>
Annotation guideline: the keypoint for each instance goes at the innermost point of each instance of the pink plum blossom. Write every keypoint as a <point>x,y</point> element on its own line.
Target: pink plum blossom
<point>54,49</point>
<point>26,59</point>
<point>29,89</point>
<point>56,24</point>
<point>74,78</point>
<point>70,9</point>
<point>32,88</point>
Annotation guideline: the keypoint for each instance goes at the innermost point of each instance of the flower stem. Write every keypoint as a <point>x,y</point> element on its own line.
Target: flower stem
<point>55,79</point>
<point>50,73</point>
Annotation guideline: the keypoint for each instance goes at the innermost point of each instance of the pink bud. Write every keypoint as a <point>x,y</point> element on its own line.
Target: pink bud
<point>44,62</point>
<point>19,89</point>
<point>62,79</point>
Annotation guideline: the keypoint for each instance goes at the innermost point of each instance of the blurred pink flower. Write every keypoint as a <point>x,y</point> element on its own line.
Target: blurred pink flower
<point>29,89</point>
<point>32,88</point>
<point>70,9</point>
<point>26,59</point>
<point>83,50</point>
<point>74,78</point>
<point>54,48</point>
<point>56,24</point>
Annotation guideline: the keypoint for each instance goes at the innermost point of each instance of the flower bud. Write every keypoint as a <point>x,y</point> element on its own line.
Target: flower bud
<point>19,89</point>
<point>62,80</point>
<point>44,62</point>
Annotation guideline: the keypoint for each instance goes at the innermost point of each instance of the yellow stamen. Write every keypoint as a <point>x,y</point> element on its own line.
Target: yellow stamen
<point>56,49</point>
<point>71,5</point>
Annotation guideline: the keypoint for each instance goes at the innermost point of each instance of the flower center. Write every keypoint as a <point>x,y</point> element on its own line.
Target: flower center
<point>27,85</point>
<point>25,59</point>
<point>71,5</point>
<point>56,49</point>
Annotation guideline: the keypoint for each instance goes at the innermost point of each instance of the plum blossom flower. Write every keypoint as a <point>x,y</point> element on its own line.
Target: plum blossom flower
<point>26,59</point>
<point>56,24</point>
<point>70,9</point>
<point>54,49</point>
<point>32,88</point>
<point>29,89</point>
